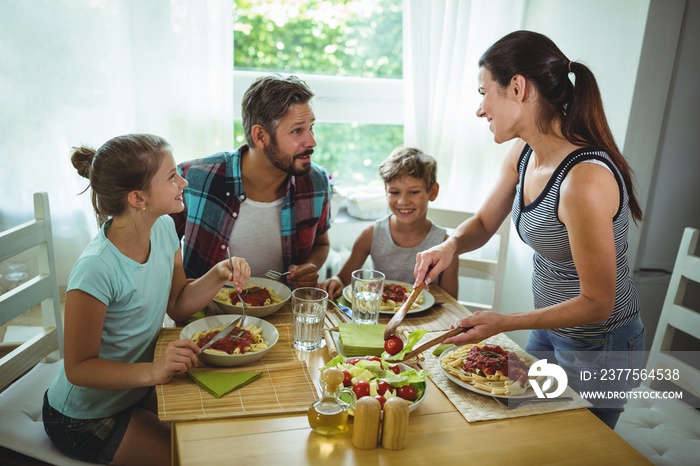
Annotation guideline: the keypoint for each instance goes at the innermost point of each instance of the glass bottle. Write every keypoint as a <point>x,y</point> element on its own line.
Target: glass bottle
<point>329,414</point>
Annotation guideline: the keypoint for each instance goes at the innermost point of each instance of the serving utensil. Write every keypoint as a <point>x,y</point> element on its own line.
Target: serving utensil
<point>223,333</point>
<point>435,341</point>
<point>401,313</point>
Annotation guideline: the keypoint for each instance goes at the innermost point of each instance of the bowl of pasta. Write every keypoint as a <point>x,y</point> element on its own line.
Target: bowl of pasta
<point>257,337</point>
<point>263,297</point>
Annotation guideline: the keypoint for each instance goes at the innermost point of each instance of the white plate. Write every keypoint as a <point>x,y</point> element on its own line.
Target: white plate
<point>403,367</point>
<point>428,299</point>
<point>529,393</point>
<point>282,291</point>
<point>270,334</point>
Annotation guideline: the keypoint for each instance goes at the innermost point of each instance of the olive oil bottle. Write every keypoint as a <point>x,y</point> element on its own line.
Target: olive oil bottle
<point>329,414</point>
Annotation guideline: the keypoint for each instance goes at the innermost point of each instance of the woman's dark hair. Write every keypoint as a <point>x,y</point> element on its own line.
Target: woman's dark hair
<point>579,107</point>
<point>267,101</point>
<point>122,164</point>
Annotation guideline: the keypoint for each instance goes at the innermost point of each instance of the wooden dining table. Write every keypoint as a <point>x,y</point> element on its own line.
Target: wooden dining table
<point>437,433</point>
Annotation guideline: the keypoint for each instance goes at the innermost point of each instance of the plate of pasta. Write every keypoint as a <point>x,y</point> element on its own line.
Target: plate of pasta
<point>394,295</point>
<point>263,297</point>
<point>488,370</point>
<point>257,337</point>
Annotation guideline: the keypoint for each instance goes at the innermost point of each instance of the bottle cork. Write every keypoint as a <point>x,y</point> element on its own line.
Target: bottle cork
<point>333,378</point>
<point>365,430</point>
<point>395,424</point>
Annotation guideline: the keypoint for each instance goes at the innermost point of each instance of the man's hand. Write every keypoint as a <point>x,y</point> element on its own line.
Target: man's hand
<point>302,275</point>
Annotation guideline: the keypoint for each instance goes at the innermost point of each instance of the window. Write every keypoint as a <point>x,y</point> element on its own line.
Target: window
<point>350,54</point>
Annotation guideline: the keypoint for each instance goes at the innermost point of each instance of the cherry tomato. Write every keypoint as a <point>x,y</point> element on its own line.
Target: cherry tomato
<point>381,399</point>
<point>361,389</point>
<point>347,378</point>
<point>353,361</point>
<point>383,387</point>
<point>407,392</point>
<point>393,345</point>
<point>395,369</point>
<point>373,358</point>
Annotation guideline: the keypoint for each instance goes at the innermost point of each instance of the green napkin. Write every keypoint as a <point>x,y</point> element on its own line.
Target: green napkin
<point>221,383</point>
<point>361,340</point>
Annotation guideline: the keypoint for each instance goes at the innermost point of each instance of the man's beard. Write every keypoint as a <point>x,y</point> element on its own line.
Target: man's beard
<point>279,160</point>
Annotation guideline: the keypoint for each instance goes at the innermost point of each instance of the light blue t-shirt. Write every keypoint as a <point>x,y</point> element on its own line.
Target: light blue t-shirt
<point>136,296</point>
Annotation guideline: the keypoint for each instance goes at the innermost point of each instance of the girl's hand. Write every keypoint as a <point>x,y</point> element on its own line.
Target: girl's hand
<point>239,275</point>
<point>179,357</point>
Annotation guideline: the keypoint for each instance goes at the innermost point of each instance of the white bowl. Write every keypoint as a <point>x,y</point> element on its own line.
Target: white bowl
<point>413,406</point>
<point>280,289</point>
<point>269,332</point>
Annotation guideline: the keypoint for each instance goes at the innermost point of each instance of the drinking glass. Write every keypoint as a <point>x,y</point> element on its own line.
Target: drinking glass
<point>367,287</point>
<point>309,309</point>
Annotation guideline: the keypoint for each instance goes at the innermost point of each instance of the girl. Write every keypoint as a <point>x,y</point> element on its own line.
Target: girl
<point>101,407</point>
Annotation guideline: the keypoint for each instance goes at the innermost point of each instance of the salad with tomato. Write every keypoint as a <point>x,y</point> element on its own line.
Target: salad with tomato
<point>373,376</point>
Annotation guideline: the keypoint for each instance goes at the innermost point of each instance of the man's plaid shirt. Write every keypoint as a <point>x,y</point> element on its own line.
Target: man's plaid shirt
<point>212,201</point>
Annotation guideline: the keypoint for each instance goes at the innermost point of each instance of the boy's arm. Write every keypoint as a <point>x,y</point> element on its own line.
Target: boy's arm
<point>360,251</point>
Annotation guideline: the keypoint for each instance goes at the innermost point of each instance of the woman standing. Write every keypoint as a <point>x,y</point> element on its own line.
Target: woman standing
<point>570,192</point>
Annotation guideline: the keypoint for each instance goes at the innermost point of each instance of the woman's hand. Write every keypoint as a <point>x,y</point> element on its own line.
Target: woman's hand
<point>478,327</point>
<point>431,262</point>
<point>240,273</point>
<point>179,357</point>
<point>333,286</point>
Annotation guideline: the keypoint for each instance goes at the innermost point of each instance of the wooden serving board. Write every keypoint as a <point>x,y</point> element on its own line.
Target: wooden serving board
<point>285,386</point>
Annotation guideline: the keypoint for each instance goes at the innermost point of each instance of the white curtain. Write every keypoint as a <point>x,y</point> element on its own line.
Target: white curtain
<point>443,40</point>
<point>82,71</point>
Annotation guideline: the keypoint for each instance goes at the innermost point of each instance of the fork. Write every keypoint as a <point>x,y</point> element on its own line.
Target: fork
<point>274,275</point>
<point>243,304</point>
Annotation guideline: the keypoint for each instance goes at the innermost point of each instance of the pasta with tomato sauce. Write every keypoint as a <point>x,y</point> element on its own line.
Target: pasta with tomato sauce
<point>395,294</point>
<point>250,341</point>
<point>490,368</point>
<point>254,296</point>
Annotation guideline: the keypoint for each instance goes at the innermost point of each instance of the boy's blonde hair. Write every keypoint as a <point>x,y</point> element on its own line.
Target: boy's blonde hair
<point>409,161</point>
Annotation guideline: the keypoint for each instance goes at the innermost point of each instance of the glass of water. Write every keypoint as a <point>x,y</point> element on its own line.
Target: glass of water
<point>367,287</point>
<point>309,309</point>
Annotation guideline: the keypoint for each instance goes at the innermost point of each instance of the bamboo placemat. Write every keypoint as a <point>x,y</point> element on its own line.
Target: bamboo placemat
<point>285,386</point>
<point>475,407</point>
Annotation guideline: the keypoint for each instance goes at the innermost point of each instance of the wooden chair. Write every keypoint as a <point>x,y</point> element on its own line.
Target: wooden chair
<point>478,268</point>
<point>27,370</point>
<point>668,431</point>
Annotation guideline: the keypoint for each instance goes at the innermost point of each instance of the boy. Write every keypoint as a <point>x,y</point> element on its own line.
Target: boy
<point>410,182</point>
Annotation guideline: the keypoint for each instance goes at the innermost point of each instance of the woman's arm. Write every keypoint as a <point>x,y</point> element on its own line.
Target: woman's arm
<point>589,201</point>
<point>477,230</point>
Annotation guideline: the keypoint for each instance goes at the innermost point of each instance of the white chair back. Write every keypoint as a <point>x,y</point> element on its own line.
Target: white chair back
<point>676,315</point>
<point>28,369</point>
<point>39,290</point>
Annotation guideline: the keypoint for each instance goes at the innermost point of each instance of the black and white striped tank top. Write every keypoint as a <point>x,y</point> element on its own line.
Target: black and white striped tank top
<point>554,277</point>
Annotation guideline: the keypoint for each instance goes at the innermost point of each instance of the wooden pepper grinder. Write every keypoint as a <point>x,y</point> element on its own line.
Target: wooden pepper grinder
<point>395,424</point>
<point>365,429</point>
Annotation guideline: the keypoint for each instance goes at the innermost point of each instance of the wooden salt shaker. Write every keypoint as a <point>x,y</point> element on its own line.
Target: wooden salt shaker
<point>365,429</point>
<point>395,424</point>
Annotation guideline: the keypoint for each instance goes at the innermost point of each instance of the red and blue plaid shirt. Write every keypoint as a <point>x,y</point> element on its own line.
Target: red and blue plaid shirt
<point>213,199</point>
